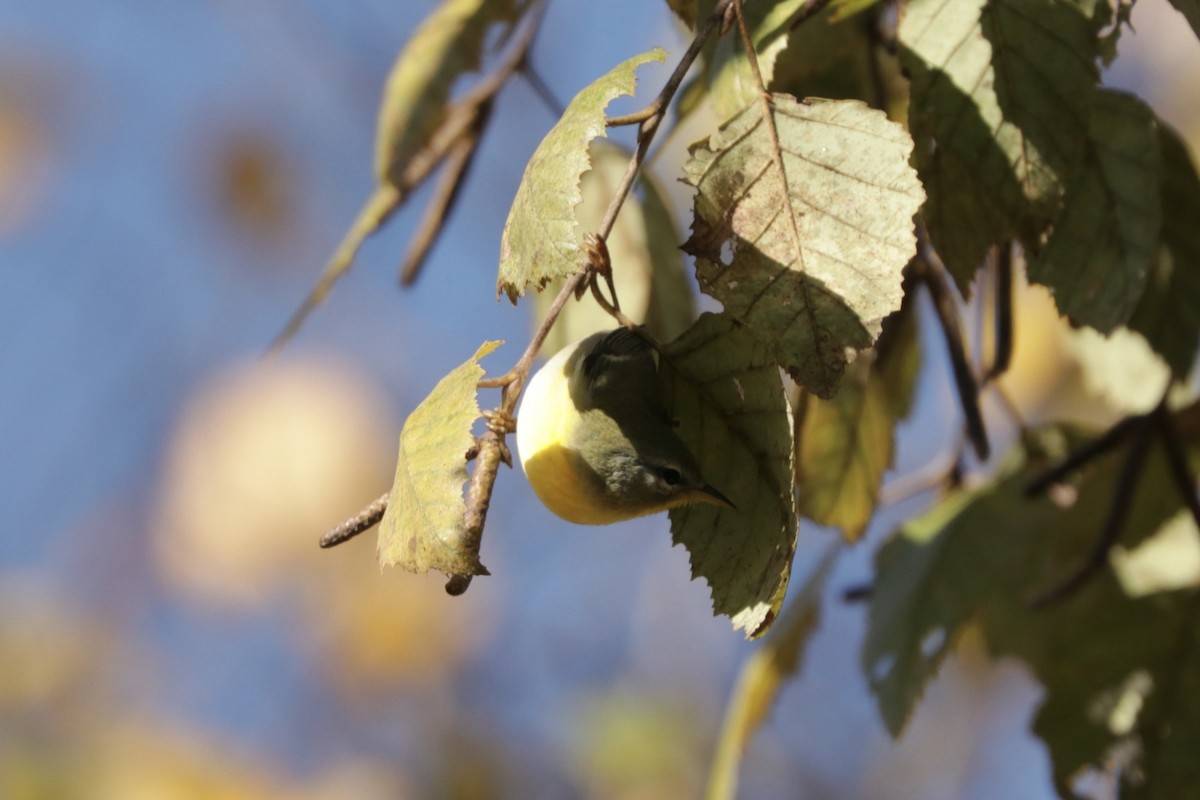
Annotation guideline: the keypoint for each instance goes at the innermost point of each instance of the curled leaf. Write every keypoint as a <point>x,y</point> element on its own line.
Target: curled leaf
<point>542,239</point>
<point>809,259</point>
<point>423,526</point>
<point>726,394</point>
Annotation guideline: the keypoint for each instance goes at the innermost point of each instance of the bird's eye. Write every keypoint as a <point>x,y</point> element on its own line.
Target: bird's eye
<point>669,475</point>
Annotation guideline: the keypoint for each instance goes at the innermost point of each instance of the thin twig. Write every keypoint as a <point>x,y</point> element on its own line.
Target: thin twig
<point>445,195</point>
<point>858,593</point>
<point>1123,493</point>
<point>1181,473</point>
<point>1002,354</point>
<point>1097,447</point>
<point>635,118</point>
<point>929,270</point>
<point>807,12</point>
<point>934,474</point>
<point>541,89</point>
<point>364,520</point>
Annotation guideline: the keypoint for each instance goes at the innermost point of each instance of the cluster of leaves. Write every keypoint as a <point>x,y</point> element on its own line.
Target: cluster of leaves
<point>803,232</point>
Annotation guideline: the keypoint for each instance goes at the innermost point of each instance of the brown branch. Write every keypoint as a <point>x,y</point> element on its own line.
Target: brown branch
<point>928,268</point>
<point>445,195</point>
<point>635,118</point>
<point>364,520</point>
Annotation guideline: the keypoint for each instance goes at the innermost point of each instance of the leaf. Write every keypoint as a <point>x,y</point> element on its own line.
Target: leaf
<point>1168,313</point>
<point>648,267</point>
<point>843,447</point>
<point>542,239</point>
<point>732,86</point>
<point>720,385</point>
<point>1129,686</point>
<point>448,43</point>
<point>762,677</point>
<point>1191,12</point>
<point>423,526</point>
<point>980,556</point>
<point>849,201</point>
<point>998,109</point>
<point>1104,240</point>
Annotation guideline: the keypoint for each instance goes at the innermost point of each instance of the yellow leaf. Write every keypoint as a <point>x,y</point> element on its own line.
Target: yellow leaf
<point>423,526</point>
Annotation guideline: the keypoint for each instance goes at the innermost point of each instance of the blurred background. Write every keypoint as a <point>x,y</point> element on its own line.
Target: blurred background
<point>173,176</point>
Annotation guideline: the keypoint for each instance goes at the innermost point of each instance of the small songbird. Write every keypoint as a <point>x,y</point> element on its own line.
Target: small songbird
<point>595,439</point>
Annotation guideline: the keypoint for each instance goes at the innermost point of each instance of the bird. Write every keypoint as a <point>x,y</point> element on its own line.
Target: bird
<point>595,440</point>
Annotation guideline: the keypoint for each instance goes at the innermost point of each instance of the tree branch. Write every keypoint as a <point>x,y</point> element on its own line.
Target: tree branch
<point>491,449</point>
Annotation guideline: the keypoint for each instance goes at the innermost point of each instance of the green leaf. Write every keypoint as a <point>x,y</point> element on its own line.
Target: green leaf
<point>1191,12</point>
<point>448,43</point>
<point>1104,240</point>
<point>648,267</point>
<point>542,239</point>
<point>1120,673</point>
<point>423,526</point>
<point>761,678</point>
<point>843,447</point>
<point>999,109</point>
<point>732,86</point>
<point>1168,314</point>
<point>980,557</point>
<point>846,196</point>
<point>720,385</point>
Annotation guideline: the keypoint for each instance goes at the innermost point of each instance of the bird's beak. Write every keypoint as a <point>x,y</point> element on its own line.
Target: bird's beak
<point>707,494</point>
